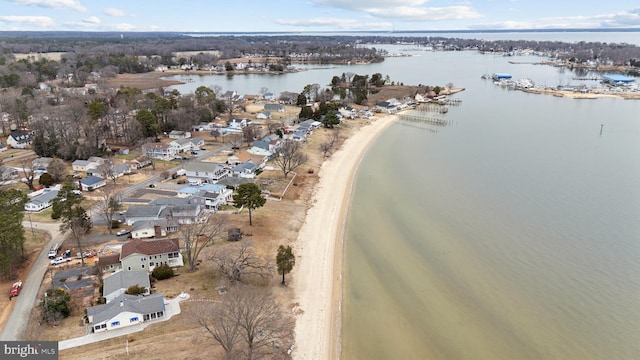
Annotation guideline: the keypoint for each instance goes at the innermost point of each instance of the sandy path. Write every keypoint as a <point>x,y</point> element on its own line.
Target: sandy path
<point>318,277</point>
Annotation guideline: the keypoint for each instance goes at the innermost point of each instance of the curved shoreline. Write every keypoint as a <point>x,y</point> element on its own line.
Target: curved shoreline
<point>318,279</point>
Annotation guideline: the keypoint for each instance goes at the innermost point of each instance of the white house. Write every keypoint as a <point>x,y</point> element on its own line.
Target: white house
<point>180,145</point>
<point>199,172</point>
<point>177,134</point>
<point>91,183</point>
<point>42,201</point>
<point>126,310</point>
<point>8,173</point>
<point>19,140</point>
<point>158,151</point>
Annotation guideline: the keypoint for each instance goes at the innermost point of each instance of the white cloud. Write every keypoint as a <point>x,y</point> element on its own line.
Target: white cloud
<point>39,21</point>
<point>406,10</point>
<point>340,23</point>
<point>54,4</point>
<point>92,20</point>
<point>115,12</point>
<point>626,19</point>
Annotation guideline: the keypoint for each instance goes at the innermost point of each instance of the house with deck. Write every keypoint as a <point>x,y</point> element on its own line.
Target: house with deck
<point>158,151</point>
<point>200,172</point>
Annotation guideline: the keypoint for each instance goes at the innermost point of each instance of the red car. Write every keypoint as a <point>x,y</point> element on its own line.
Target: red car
<point>15,289</point>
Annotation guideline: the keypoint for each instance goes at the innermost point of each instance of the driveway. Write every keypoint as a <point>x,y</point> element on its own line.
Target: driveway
<point>172,307</point>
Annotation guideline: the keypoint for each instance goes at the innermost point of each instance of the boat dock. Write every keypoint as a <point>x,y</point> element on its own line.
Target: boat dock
<point>422,118</point>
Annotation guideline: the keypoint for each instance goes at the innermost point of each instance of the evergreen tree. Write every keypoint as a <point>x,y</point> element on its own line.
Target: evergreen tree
<point>249,195</point>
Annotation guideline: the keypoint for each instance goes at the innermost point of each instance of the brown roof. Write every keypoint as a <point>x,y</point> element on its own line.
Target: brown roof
<point>149,247</point>
<point>244,156</point>
<point>111,259</point>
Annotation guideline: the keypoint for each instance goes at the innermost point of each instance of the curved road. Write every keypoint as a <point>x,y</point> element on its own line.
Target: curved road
<point>27,300</point>
<point>25,303</point>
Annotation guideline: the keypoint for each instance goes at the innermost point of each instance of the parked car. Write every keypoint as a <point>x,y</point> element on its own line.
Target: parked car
<point>15,289</point>
<point>123,232</point>
<point>60,260</point>
<point>194,152</point>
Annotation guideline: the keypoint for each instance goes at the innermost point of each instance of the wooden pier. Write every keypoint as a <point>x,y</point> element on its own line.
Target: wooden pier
<point>423,118</point>
<point>430,107</point>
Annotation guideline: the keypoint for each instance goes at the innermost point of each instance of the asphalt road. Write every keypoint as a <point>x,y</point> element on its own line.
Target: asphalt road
<point>27,300</point>
<point>28,296</point>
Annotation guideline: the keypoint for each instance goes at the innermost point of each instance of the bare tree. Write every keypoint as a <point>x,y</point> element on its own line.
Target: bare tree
<point>262,322</point>
<point>330,142</point>
<point>234,140</point>
<point>236,260</point>
<point>57,169</point>
<point>249,134</point>
<point>28,175</point>
<point>109,204</point>
<point>106,170</point>
<point>197,236</point>
<point>221,322</point>
<point>246,313</point>
<point>289,156</point>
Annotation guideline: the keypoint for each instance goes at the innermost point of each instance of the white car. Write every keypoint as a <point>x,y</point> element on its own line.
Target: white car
<point>60,260</point>
<point>123,232</point>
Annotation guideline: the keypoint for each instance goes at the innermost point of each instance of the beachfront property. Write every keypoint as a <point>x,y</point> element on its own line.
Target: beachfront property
<point>125,310</point>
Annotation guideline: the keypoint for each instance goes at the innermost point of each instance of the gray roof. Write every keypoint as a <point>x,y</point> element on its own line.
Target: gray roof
<point>169,201</point>
<point>91,180</point>
<point>245,166</point>
<point>234,181</point>
<point>201,166</point>
<point>135,304</point>
<point>45,197</point>
<point>261,144</point>
<point>125,279</point>
<point>144,210</point>
<point>182,141</point>
<point>145,224</point>
<point>273,107</point>
<point>121,168</point>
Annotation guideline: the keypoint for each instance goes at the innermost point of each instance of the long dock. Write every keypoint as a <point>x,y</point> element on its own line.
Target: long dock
<point>423,118</point>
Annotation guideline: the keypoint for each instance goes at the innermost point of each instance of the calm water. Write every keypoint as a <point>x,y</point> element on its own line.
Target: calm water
<point>510,234</point>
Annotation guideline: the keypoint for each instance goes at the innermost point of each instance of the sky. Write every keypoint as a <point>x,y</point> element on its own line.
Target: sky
<point>314,15</point>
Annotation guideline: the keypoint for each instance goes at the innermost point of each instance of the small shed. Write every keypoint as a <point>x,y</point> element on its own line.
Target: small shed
<point>234,234</point>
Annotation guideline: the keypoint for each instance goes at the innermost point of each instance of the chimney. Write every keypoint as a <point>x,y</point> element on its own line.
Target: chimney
<point>157,231</point>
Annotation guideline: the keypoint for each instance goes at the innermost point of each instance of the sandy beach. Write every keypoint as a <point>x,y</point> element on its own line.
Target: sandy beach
<point>318,271</point>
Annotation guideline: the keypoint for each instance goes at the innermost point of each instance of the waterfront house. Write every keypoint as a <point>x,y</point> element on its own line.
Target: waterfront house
<point>245,170</point>
<point>211,200</point>
<point>117,283</point>
<point>19,140</point>
<point>141,254</point>
<point>126,310</point>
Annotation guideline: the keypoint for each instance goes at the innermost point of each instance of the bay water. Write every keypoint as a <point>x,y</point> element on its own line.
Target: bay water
<point>511,233</point>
